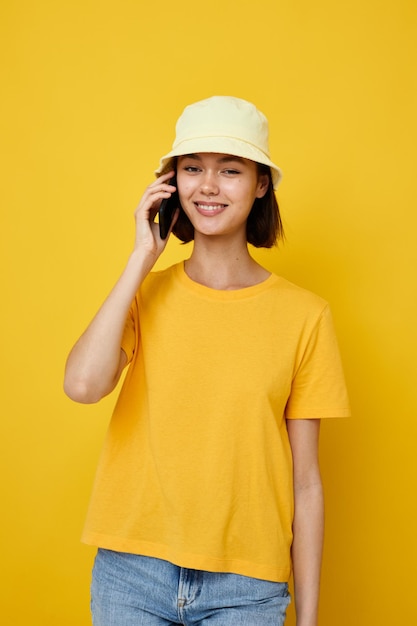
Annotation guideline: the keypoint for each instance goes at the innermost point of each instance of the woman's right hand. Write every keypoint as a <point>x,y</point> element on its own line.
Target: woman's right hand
<point>147,239</point>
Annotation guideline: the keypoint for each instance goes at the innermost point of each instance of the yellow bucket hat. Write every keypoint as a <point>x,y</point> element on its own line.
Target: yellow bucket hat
<point>225,125</point>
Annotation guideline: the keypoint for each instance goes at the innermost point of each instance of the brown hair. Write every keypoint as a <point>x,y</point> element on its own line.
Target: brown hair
<point>264,226</point>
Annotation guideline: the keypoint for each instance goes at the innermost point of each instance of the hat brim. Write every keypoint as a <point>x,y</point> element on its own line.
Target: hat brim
<point>222,145</point>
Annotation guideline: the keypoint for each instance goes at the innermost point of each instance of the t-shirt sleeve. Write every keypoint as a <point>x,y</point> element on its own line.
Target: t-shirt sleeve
<point>128,343</point>
<point>318,388</point>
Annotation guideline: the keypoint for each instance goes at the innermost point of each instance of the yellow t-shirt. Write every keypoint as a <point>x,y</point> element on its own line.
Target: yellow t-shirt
<point>196,467</point>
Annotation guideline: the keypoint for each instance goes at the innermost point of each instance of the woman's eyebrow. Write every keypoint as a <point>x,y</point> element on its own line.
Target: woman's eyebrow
<point>223,159</point>
<point>227,158</point>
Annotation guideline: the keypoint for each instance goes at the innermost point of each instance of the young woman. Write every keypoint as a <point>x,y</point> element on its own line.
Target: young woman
<point>208,492</point>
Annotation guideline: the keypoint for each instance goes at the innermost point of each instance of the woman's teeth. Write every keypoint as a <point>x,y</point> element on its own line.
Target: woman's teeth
<point>211,207</point>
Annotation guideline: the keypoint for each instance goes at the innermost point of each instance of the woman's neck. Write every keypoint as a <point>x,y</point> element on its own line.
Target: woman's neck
<point>224,268</point>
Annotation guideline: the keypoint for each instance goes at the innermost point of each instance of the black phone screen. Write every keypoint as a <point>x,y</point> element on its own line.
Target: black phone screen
<point>166,211</point>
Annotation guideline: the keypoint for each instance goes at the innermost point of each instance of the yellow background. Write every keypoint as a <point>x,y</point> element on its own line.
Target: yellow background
<point>90,94</point>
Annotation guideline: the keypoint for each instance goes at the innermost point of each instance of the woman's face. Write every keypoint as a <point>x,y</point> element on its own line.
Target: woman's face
<point>217,191</point>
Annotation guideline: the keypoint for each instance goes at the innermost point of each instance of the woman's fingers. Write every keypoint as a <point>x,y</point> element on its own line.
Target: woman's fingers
<point>146,230</point>
<point>158,190</point>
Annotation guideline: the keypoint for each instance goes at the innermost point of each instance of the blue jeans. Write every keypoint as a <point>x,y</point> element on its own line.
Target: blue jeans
<point>131,590</point>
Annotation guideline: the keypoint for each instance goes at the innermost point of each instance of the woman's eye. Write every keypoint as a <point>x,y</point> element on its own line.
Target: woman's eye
<point>191,168</point>
<point>231,172</point>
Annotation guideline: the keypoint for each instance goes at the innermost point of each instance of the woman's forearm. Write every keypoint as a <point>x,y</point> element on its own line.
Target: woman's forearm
<point>95,362</point>
<point>307,551</point>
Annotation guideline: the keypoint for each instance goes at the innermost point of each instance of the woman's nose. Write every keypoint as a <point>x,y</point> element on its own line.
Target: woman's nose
<point>209,185</point>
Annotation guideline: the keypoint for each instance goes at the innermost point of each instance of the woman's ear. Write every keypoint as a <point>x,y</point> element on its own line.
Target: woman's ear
<point>263,184</point>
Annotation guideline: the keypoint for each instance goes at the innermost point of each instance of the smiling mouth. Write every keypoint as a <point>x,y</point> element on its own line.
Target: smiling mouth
<point>209,207</point>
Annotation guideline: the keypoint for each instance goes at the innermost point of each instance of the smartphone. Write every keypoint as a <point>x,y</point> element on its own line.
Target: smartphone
<point>167,209</point>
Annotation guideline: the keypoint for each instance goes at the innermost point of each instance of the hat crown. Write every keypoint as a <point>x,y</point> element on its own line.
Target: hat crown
<point>223,116</point>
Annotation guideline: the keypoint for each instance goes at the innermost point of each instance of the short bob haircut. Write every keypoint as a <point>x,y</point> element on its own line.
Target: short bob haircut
<point>264,227</point>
